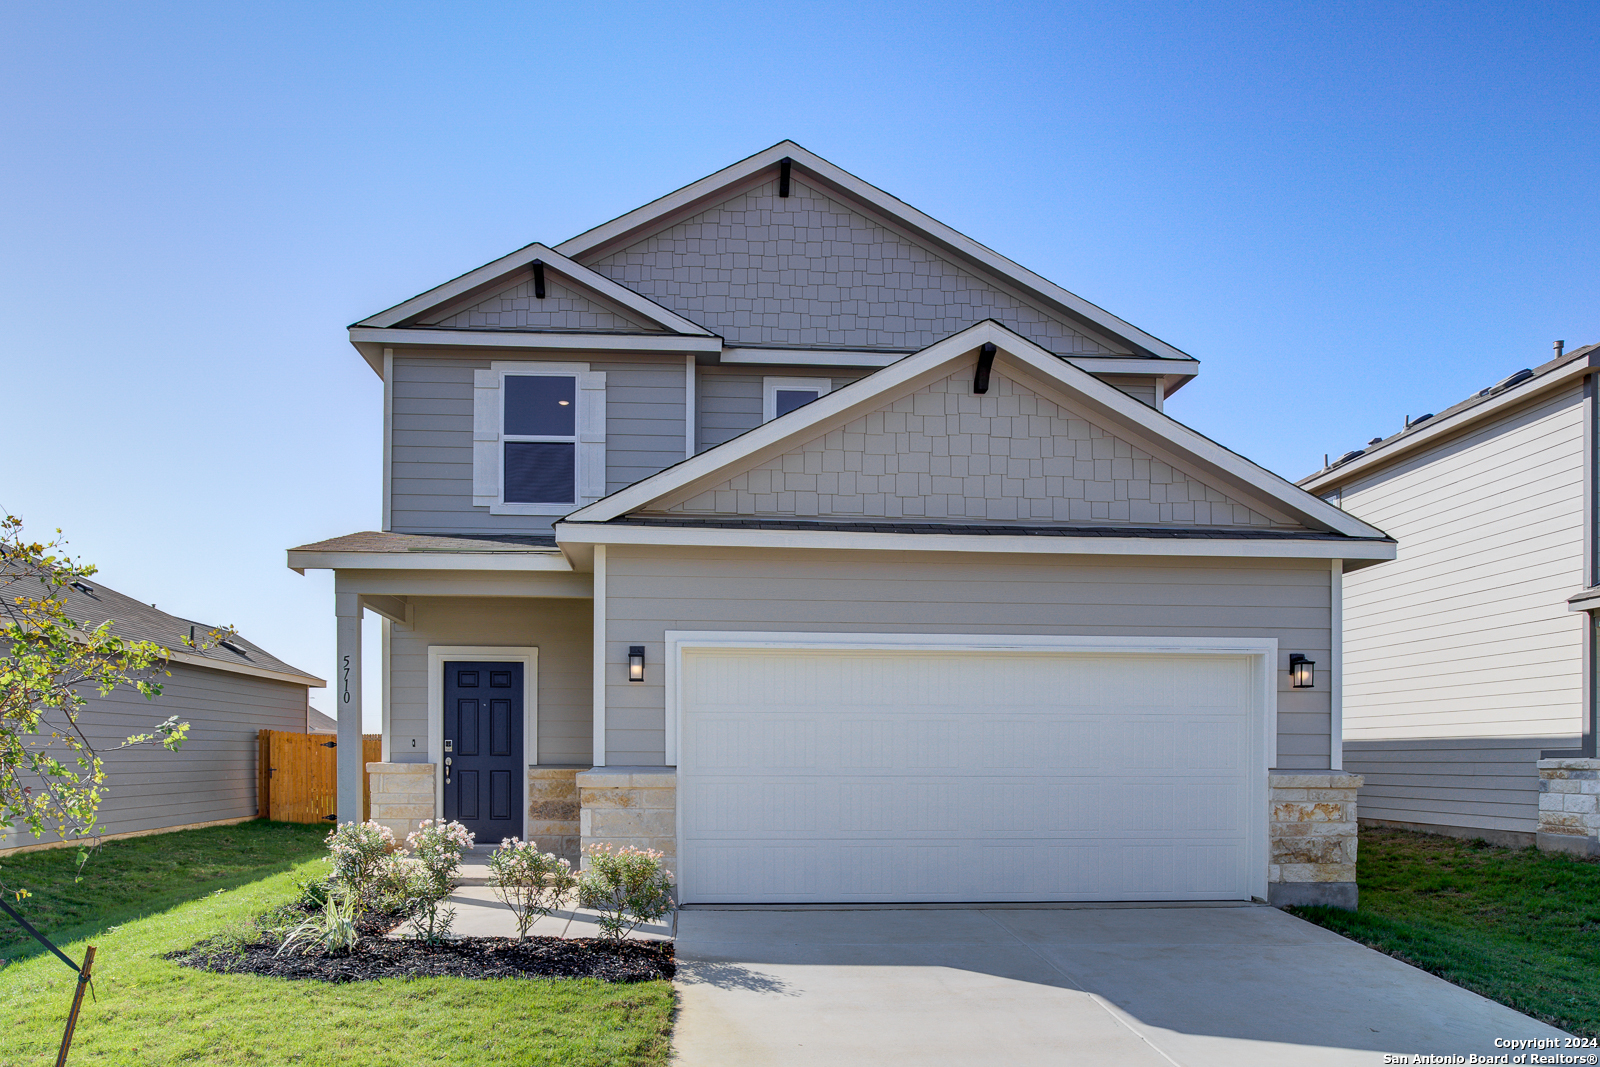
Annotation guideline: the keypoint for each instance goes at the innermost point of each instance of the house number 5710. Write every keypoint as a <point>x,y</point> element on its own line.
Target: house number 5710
<point>345,699</point>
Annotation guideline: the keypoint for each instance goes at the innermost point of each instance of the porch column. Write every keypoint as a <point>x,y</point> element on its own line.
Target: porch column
<point>347,687</point>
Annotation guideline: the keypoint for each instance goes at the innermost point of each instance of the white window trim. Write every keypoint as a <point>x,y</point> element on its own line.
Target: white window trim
<point>488,437</point>
<point>438,656</point>
<point>770,387</point>
<point>1264,688</point>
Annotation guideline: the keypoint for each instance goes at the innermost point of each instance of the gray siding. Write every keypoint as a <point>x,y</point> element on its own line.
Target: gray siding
<point>1461,658</point>
<point>942,452</point>
<point>652,590</point>
<point>212,777</point>
<point>432,437</point>
<point>1487,783</point>
<point>563,308</point>
<point>808,270</point>
<point>561,629</point>
<point>728,398</point>
<point>1141,389</point>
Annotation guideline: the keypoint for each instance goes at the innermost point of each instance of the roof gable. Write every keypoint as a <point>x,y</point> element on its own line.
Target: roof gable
<point>808,269</point>
<point>1119,416</point>
<point>520,307</point>
<point>943,452</point>
<point>815,173</point>
<point>478,290</point>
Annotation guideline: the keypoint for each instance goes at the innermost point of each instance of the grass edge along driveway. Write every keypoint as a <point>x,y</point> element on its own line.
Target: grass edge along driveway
<point>1518,926</point>
<point>151,1011</point>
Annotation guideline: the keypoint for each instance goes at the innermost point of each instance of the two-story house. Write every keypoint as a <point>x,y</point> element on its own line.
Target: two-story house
<point>1470,661</point>
<point>781,527</point>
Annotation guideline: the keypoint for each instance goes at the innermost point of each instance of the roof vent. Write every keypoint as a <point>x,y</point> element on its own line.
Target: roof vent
<point>1506,383</point>
<point>1349,456</point>
<point>1559,346</point>
<point>83,587</point>
<point>1410,422</point>
<point>1375,441</point>
<point>231,647</point>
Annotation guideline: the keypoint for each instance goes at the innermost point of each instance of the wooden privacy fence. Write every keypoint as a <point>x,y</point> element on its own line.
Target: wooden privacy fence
<point>297,776</point>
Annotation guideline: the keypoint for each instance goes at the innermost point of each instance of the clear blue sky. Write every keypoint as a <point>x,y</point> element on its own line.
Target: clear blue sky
<point>1349,212</point>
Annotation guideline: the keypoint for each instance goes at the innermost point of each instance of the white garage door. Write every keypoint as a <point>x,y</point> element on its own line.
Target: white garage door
<point>837,776</point>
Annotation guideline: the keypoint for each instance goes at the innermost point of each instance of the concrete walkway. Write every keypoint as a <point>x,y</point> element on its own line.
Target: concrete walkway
<point>1148,986</point>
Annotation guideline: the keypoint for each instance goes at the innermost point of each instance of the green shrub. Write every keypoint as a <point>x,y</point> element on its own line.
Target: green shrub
<point>529,882</point>
<point>626,887</point>
<point>332,930</point>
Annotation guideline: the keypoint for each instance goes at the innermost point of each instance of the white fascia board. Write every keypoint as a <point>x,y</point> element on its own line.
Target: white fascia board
<point>1436,429</point>
<point>428,561</point>
<point>425,583</point>
<point>931,229</point>
<point>189,659</point>
<point>1108,401</point>
<point>575,534</point>
<point>1166,368</point>
<point>423,337</point>
<point>1588,600</point>
<point>808,357</point>
<point>489,273</point>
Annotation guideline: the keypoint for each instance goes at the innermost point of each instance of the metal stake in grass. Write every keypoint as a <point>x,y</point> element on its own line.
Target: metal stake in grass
<point>84,974</point>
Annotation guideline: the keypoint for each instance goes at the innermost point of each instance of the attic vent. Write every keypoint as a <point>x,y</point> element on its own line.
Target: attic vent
<point>1410,422</point>
<point>538,278</point>
<point>231,647</point>
<point>1506,383</point>
<point>84,587</point>
<point>783,175</point>
<point>1350,455</point>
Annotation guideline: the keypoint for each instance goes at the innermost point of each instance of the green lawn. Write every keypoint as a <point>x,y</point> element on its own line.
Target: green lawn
<point>1515,925</point>
<point>127,879</point>
<point>153,1012</point>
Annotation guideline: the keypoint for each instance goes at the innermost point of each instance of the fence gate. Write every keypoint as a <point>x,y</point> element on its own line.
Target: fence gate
<point>297,779</point>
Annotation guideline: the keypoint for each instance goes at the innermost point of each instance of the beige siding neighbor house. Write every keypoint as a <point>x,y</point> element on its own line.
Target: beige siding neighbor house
<point>1469,697</point>
<point>781,527</point>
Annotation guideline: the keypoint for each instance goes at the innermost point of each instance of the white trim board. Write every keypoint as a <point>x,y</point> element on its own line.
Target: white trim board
<point>772,386</point>
<point>1263,652</point>
<point>438,656</point>
<point>538,560</point>
<point>576,538</point>
<point>425,337</point>
<point>1121,413</point>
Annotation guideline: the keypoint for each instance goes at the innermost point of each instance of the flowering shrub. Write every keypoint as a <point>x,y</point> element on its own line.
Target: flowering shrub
<point>626,887</point>
<point>531,883</point>
<point>357,852</point>
<point>430,874</point>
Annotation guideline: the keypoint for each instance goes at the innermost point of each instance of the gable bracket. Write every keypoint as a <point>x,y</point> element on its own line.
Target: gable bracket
<point>980,381</point>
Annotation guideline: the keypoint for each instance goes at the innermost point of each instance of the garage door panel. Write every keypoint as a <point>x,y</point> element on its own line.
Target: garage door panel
<point>809,775</point>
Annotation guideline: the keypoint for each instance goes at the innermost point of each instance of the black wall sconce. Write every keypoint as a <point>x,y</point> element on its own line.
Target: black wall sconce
<point>635,663</point>
<point>1302,671</point>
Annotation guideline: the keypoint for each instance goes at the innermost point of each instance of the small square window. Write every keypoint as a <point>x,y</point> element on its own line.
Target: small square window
<point>780,396</point>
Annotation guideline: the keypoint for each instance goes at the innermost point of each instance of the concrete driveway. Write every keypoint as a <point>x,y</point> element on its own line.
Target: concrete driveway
<point>1162,985</point>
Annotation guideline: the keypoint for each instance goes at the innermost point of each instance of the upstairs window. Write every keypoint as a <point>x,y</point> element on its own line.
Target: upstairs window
<point>779,396</point>
<point>538,438</point>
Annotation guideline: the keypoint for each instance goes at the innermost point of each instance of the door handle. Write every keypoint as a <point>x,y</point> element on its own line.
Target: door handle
<point>447,770</point>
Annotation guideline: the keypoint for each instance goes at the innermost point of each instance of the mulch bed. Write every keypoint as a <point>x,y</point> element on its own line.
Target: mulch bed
<point>375,956</point>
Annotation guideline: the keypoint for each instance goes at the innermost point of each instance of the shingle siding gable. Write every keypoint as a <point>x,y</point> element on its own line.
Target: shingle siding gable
<point>806,270</point>
<point>517,308</point>
<point>946,453</point>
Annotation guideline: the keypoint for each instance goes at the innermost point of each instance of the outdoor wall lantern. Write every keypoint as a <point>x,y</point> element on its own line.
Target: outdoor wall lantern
<point>1302,671</point>
<point>635,663</point>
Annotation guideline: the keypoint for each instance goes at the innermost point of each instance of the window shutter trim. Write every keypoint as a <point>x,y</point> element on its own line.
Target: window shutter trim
<point>485,438</point>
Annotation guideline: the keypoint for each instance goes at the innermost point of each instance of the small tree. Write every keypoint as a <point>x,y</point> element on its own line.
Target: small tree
<point>50,663</point>
<point>529,882</point>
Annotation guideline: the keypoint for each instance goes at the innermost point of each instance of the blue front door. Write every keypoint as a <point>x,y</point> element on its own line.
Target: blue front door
<point>483,770</point>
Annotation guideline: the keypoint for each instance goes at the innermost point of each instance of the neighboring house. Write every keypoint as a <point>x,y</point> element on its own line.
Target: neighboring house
<point>318,723</point>
<point>1472,656</point>
<point>226,693</point>
<point>781,527</point>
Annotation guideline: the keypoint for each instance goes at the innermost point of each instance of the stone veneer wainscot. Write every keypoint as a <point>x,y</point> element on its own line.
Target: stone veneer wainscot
<point>402,795</point>
<point>630,807</point>
<point>1312,831</point>
<point>1569,806</point>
